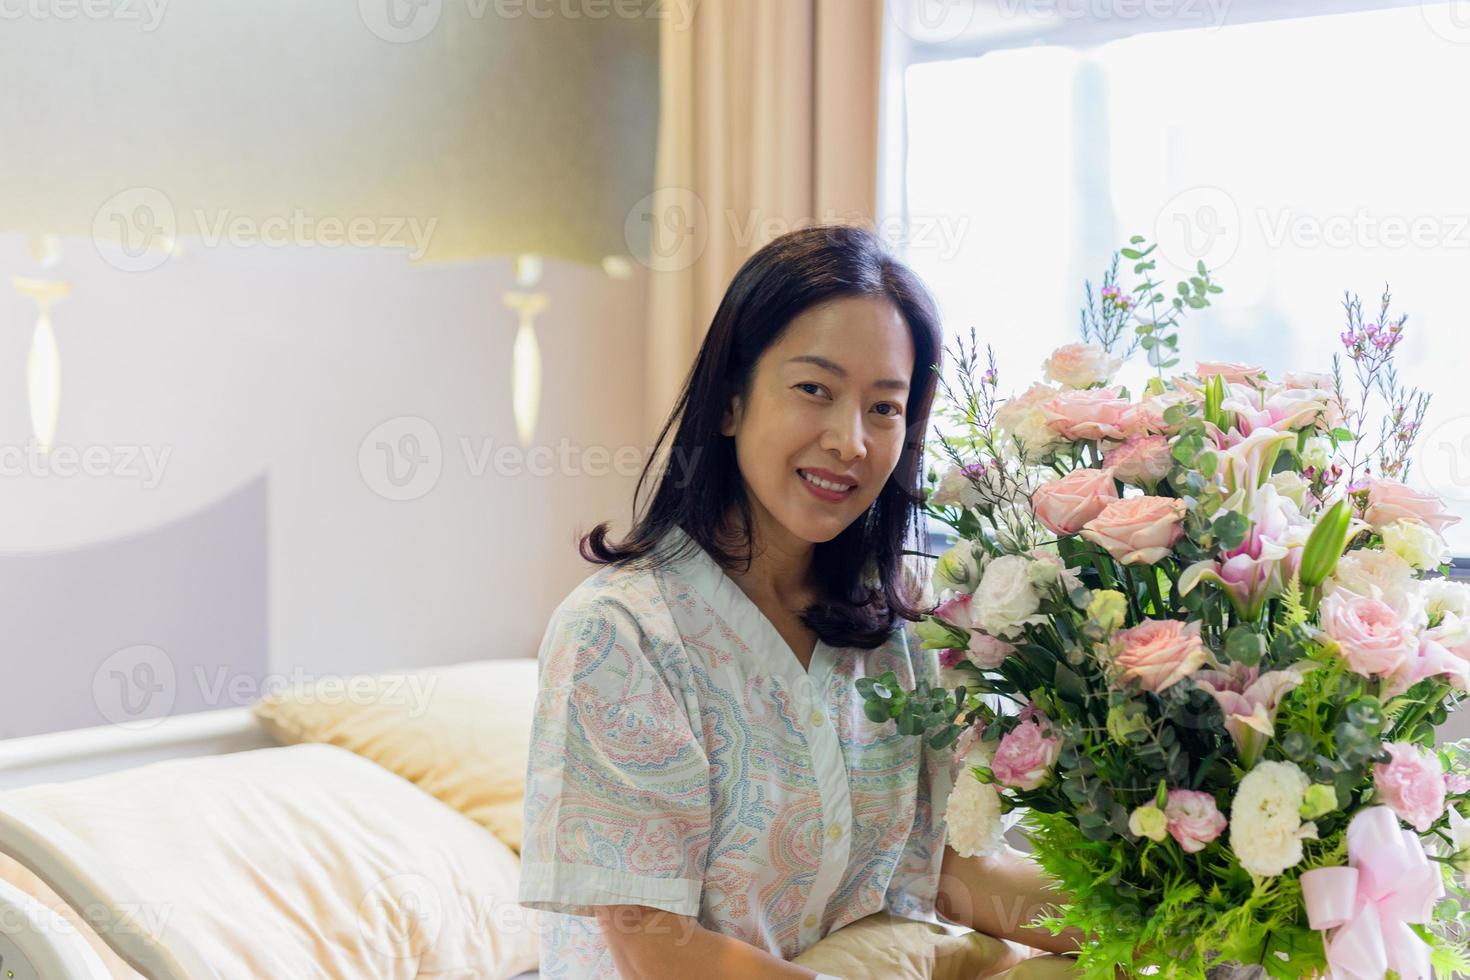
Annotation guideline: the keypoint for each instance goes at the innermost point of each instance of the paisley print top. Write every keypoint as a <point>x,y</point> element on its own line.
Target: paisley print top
<point>682,759</point>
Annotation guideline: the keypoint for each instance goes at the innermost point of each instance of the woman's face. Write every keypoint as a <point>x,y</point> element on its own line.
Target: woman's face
<point>828,399</point>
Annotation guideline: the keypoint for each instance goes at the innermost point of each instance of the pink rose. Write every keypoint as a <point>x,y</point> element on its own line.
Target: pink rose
<point>988,651</point>
<point>1096,413</point>
<point>1138,530</point>
<point>1411,783</point>
<point>1373,638</point>
<point>1389,501</point>
<point>1065,504</point>
<point>1456,783</point>
<point>1081,365</point>
<point>983,650</point>
<point>1159,653</point>
<point>1026,753</point>
<point>1194,819</point>
<point>1232,371</point>
<point>1142,460</point>
<point>1147,416</point>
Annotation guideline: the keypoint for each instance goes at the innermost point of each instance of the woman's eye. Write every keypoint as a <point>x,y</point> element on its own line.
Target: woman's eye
<point>810,384</point>
<point>893,409</point>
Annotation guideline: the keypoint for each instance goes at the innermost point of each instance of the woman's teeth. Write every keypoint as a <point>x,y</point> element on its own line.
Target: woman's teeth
<point>835,487</point>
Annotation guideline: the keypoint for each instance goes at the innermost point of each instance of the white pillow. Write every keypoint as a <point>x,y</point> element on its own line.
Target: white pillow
<point>299,861</point>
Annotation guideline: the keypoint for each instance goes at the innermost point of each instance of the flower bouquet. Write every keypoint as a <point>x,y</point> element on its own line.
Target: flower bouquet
<point>1202,638</point>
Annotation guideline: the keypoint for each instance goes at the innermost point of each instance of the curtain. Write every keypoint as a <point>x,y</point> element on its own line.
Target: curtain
<point>768,121</point>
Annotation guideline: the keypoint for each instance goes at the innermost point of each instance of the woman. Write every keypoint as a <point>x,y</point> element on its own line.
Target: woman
<point>705,796</point>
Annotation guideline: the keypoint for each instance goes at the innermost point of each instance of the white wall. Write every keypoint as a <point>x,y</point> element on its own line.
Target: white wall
<point>243,363</point>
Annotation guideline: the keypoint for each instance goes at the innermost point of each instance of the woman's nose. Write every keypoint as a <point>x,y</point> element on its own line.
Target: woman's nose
<point>846,436</point>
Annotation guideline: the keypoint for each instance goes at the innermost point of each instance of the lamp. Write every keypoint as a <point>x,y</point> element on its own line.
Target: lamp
<point>43,366</point>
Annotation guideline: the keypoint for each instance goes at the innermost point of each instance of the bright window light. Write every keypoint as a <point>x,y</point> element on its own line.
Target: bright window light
<point>1297,157</point>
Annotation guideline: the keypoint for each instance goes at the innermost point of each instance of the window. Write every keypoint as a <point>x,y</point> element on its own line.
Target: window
<point>1314,149</point>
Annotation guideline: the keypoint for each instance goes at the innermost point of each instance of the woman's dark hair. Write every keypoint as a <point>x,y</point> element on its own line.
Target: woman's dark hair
<point>861,570</point>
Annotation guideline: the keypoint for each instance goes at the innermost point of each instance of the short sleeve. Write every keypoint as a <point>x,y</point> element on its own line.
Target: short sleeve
<point>617,806</point>
<point>914,888</point>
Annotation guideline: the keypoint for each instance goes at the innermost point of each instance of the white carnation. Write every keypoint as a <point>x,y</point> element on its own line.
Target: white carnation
<point>1266,829</point>
<point>973,816</point>
<point>1020,417</point>
<point>1006,599</point>
<point>1416,543</point>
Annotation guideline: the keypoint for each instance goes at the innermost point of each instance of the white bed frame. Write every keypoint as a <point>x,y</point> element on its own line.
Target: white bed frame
<point>35,942</point>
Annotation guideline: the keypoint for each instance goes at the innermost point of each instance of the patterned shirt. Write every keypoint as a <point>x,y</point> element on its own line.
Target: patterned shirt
<point>682,759</point>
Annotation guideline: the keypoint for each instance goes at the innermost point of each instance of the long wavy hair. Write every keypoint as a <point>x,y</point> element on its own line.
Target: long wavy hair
<point>860,572</point>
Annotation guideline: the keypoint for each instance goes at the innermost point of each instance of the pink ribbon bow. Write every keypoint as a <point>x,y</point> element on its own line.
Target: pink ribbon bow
<point>1388,884</point>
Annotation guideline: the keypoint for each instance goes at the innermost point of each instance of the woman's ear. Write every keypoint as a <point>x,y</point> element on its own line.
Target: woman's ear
<point>731,419</point>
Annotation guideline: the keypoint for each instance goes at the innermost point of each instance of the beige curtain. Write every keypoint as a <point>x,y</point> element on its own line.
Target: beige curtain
<point>768,121</point>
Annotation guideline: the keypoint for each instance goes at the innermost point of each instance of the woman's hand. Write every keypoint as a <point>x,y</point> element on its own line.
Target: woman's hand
<point>651,944</point>
<point>999,895</point>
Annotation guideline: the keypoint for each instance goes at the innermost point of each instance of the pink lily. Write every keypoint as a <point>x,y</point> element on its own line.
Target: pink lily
<point>1249,700</point>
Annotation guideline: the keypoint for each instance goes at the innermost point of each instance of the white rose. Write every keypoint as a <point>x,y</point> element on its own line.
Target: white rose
<point>958,569</point>
<point>1081,365</point>
<point>1291,486</point>
<point>1006,599</point>
<point>1416,543</point>
<point>1444,597</point>
<point>1317,453</point>
<point>1266,829</point>
<point>1020,418</point>
<point>973,816</point>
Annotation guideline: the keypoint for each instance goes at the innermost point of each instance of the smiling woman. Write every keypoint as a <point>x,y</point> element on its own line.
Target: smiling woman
<point>820,361</point>
<point>706,795</point>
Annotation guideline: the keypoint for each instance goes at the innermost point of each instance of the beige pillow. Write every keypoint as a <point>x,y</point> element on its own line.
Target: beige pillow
<point>460,733</point>
<point>304,861</point>
<point>883,946</point>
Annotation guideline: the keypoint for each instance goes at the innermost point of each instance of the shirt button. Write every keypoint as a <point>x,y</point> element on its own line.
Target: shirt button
<point>835,831</point>
<point>818,717</point>
<point>811,922</point>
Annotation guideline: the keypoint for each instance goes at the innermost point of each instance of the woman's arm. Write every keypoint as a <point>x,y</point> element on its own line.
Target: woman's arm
<point>999,895</point>
<point>651,944</point>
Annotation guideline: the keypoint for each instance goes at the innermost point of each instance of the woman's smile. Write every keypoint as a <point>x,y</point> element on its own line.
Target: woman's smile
<point>825,485</point>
